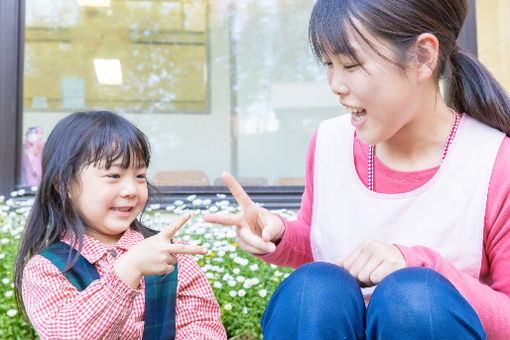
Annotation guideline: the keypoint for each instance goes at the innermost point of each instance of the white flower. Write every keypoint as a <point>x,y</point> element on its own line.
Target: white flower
<point>8,293</point>
<point>263,292</point>
<point>179,202</point>
<point>5,240</point>
<point>2,198</point>
<point>217,284</point>
<point>12,312</point>
<point>34,188</point>
<point>213,209</point>
<point>273,266</point>
<point>232,293</point>
<point>191,197</point>
<point>241,292</point>
<point>286,275</point>
<point>2,256</point>
<point>197,201</point>
<point>221,196</point>
<point>278,273</point>
<point>255,281</point>
<point>170,208</point>
<point>21,192</point>
<point>206,202</point>
<point>236,271</point>
<point>14,194</point>
<point>254,267</point>
<point>245,310</point>
<point>231,283</point>
<point>240,279</point>
<point>228,306</point>
<point>247,284</point>
<point>155,206</point>
<point>5,281</point>
<point>209,275</point>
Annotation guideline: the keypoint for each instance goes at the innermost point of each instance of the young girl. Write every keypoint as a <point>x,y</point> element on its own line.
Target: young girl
<point>86,267</point>
<point>407,194</point>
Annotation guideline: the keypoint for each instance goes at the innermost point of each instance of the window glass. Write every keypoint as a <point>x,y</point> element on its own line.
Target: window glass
<point>493,33</point>
<point>215,84</point>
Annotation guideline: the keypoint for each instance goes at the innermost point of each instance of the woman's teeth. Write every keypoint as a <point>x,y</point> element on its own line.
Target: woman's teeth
<point>356,112</point>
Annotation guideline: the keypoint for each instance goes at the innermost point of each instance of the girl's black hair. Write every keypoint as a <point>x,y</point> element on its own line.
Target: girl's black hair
<point>472,89</point>
<point>77,141</point>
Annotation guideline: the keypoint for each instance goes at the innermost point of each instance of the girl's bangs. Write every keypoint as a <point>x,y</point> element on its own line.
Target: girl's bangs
<point>119,143</point>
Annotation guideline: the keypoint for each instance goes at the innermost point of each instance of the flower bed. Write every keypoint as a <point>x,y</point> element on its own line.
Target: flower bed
<point>241,282</point>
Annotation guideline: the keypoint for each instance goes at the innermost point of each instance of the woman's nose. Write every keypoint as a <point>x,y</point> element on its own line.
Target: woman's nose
<point>337,84</point>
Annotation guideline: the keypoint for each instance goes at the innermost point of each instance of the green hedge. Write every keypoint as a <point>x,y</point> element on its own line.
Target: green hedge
<point>242,283</point>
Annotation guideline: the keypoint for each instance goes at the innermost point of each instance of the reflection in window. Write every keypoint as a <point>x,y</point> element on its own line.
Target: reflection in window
<point>124,55</point>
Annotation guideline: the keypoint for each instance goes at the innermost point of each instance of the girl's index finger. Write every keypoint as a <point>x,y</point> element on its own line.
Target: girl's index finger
<point>172,229</point>
<point>237,190</point>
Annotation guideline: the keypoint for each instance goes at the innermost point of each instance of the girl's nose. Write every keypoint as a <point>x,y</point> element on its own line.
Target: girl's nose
<point>129,189</point>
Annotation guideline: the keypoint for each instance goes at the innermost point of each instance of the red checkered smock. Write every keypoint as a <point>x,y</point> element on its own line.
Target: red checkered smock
<point>108,308</point>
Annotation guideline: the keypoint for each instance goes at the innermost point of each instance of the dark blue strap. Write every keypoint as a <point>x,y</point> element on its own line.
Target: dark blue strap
<point>81,274</point>
<point>160,296</point>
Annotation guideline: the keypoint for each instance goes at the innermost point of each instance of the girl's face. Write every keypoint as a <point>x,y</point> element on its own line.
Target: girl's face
<point>380,96</point>
<point>109,199</point>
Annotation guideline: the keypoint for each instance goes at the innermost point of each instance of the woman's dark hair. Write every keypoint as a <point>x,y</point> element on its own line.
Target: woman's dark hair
<point>77,141</point>
<point>472,89</point>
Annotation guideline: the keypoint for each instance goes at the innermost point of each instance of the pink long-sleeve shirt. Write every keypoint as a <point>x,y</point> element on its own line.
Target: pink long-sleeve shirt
<point>489,294</point>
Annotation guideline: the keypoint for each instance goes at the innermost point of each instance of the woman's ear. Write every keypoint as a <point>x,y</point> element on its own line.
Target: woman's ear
<point>427,53</point>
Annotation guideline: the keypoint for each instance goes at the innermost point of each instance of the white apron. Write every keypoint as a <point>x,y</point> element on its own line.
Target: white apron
<point>445,214</point>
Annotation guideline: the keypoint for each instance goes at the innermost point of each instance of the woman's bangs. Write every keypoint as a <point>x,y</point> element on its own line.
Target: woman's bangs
<point>329,31</point>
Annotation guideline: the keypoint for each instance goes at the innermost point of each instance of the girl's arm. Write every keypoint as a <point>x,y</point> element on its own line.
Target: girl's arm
<point>58,310</point>
<point>294,248</point>
<point>489,295</point>
<point>198,314</point>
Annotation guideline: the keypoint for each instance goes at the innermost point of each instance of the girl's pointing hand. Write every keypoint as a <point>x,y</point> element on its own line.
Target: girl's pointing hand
<point>155,255</point>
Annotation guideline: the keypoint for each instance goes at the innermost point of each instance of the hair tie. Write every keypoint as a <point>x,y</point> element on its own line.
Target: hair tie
<point>456,50</point>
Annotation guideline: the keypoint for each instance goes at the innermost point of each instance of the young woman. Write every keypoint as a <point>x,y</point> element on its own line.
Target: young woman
<point>406,198</point>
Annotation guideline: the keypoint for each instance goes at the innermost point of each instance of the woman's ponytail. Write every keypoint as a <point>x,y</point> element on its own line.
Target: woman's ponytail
<point>475,91</point>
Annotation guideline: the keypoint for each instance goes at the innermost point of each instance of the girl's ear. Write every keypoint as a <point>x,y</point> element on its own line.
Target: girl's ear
<point>427,53</point>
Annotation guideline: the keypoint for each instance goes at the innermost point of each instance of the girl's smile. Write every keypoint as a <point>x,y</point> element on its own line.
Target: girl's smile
<point>109,200</point>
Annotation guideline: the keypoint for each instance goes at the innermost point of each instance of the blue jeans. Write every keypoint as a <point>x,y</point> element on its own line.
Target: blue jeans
<point>323,301</point>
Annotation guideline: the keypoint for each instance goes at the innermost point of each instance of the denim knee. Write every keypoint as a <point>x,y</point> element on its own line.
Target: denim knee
<point>419,303</point>
<point>318,300</point>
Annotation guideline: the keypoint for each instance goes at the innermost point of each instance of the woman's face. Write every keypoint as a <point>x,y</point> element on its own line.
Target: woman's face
<point>380,96</point>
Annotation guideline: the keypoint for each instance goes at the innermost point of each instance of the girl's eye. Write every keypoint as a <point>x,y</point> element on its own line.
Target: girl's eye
<point>142,176</point>
<point>113,176</point>
<point>327,63</point>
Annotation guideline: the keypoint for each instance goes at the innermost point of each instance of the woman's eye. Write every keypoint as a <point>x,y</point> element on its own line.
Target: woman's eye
<point>349,67</point>
<point>327,63</point>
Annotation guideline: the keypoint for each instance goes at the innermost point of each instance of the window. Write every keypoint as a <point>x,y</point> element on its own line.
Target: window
<point>215,85</point>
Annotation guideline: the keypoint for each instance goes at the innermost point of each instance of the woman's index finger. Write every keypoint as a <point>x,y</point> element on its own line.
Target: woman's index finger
<point>237,190</point>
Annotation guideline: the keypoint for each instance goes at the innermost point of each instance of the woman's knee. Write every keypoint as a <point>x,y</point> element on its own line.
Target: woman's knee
<point>420,299</point>
<point>321,284</point>
<point>317,296</point>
